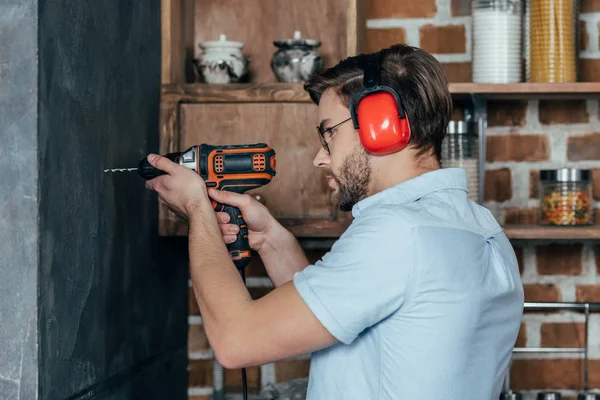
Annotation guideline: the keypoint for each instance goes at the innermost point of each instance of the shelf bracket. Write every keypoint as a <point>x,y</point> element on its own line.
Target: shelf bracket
<point>478,113</point>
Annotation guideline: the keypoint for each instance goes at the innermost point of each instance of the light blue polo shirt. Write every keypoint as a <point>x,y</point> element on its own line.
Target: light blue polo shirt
<point>423,293</point>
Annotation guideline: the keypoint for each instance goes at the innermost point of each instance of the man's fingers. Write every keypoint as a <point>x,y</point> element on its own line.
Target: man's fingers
<point>162,163</point>
<point>223,217</point>
<point>228,239</point>
<point>230,198</point>
<point>229,229</point>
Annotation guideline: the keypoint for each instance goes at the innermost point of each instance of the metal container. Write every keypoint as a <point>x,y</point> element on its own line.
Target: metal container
<point>460,149</point>
<point>565,197</point>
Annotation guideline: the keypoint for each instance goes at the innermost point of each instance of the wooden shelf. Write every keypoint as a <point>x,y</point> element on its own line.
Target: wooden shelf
<point>522,90</point>
<point>537,232</point>
<point>235,93</point>
<point>294,92</point>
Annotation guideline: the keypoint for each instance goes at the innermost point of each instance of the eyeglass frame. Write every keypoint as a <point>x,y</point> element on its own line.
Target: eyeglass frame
<point>322,131</point>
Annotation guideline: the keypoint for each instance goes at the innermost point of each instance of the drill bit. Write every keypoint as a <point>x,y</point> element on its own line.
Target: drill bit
<point>120,169</point>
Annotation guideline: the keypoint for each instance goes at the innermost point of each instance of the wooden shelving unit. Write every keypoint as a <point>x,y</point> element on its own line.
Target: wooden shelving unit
<point>281,114</point>
<point>552,233</point>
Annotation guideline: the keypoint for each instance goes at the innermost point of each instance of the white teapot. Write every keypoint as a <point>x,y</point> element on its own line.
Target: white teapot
<point>222,61</point>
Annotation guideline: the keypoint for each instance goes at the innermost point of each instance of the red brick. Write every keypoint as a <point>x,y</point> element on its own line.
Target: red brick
<point>562,334</point>
<point>514,147</point>
<point>401,9</point>
<point>589,68</point>
<point>197,340</point>
<point>588,6</point>
<point>522,337</point>
<point>506,113</point>
<point>377,39</point>
<point>498,185</point>
<point>584,36</point>
<point>200,373</point>
<point>291,369</point>
<point>521,216</point>
<point>559,259</point>
<point>545,292</point>
<point>458,71</point>
<point>449,39</point>
<point>460,8</point>
<point>587,293</point>
<point>193,308</point>
<point>534,184</point>
<point>233,379</point>
<point>584,147</point>
<point>596,184</point>
<point>572,111</point>
<point>552,374</point>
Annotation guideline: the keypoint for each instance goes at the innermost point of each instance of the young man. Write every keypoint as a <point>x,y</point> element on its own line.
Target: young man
<point>420,298</point>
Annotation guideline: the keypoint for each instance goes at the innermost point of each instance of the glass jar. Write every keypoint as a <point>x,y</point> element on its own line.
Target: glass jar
<point>565,197</point>
<point>460,149</point>
<point>552,29</point>
<point>497,41</point>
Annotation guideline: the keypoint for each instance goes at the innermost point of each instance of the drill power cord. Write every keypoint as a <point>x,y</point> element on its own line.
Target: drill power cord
<point>244,380</point>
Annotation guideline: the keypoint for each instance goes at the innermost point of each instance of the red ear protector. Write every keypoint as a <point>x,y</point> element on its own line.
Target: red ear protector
<point>378,114</point>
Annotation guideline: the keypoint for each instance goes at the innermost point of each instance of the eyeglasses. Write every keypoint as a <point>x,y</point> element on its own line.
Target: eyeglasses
<point>330,130</point>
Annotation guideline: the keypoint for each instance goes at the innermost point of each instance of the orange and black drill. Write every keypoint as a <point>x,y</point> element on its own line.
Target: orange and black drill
<point>234,168</point>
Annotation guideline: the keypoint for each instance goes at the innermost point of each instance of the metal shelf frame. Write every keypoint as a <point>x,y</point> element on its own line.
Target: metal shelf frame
<point>587,308</point>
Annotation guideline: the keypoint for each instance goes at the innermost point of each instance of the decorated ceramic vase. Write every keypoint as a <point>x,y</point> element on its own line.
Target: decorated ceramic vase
<point>296,59</point>
<point>222,61</point>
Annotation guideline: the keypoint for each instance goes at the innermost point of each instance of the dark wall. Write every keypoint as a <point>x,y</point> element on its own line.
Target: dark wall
<point>18,199</point>
<point>112,315</point>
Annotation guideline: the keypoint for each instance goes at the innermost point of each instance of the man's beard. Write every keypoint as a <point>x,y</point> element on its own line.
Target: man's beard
<point>352,180</point>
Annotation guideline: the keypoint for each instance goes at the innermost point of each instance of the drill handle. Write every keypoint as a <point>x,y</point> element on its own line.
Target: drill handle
<point>240,249</point>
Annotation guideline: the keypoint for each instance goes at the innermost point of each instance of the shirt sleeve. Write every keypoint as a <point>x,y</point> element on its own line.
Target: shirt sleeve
<point>365,277</point>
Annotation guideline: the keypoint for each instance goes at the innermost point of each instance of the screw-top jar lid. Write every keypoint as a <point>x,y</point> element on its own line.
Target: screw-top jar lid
<point>565,175</point>
<point>461,128</point>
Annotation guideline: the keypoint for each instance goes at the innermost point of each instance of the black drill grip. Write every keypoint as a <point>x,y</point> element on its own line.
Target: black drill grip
<point>240,249</point>
<point>147,171</point>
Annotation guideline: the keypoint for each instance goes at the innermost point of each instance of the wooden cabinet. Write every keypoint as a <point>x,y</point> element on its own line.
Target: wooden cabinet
<point>262,110</point>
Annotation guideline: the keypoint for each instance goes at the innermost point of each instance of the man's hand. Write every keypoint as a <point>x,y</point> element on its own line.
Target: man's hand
<point>181,189</point>
<point>259,220</point>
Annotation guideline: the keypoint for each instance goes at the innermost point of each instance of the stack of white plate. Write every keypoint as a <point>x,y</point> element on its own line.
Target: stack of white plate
<point>496,46</point>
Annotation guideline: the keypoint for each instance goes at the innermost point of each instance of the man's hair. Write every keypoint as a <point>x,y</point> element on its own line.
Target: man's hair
<point>418,78</point>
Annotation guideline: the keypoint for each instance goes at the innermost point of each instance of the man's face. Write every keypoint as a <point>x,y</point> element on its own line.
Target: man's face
<point>347,168</point>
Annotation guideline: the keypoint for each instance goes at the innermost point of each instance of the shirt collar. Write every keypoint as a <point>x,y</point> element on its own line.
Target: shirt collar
<point>415,188</point>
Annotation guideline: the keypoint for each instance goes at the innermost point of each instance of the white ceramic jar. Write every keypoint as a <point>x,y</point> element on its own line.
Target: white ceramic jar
<point>222,61</point>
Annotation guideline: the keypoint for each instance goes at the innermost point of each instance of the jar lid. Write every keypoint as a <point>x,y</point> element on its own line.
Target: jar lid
<point>222,42</point>
<point>297,41</point>
<point>565,175</point>
<point>461,128</point>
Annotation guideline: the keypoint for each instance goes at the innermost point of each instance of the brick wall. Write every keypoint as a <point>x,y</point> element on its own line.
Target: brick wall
<point>523,137</point>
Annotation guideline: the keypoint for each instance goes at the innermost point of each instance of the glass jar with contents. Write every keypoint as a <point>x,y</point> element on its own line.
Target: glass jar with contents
<point>565,197</point>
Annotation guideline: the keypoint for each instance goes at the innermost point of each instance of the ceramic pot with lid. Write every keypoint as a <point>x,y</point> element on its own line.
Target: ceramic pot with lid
<point>297,59</point>
<point>549,396</point>
<point>222,61</point>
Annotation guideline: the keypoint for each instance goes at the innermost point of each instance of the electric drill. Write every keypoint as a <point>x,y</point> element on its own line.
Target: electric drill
<point>234,168</point>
